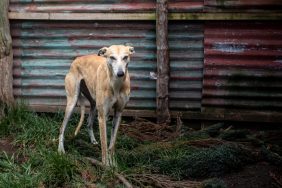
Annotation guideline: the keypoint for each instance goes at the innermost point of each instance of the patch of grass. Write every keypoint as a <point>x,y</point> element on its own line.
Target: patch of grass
<point>16,175</point>
<point>181,160</point>
<point>27,127</point>
<point>141,159</point>
<point>207,162</point>
<point>232,135</point>
<point>36,137</point>
<point>214,183</point>
<point>12,117</point>
<point>126,143</point>
<point>58,169</point>
<point>39,164</point>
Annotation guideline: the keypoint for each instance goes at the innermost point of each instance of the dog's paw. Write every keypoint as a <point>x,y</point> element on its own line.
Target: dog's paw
<point>61,150</point>
<point>94,142</point>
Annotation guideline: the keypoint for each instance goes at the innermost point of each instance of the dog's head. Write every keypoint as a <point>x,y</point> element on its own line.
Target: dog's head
<point>118,57</point>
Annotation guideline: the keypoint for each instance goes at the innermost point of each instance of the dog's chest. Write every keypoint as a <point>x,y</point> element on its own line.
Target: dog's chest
<point>117,100</point>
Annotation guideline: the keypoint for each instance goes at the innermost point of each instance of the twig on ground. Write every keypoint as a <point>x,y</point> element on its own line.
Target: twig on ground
<point>119,176</point>
<point>145,130</point>
<point>276,180</point>
<point>158,180</point>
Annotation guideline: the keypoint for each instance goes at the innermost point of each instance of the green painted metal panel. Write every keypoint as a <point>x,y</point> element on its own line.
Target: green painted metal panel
<point>43,52</point>
<point>186,65</point>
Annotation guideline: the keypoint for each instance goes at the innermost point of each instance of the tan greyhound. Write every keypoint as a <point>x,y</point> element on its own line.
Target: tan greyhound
<point>103,79</point>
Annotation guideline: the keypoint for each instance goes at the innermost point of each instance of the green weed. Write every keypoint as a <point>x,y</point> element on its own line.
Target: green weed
<point>17,175</point>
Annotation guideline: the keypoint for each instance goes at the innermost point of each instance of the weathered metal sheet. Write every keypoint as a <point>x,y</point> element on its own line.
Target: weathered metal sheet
<point>186,65</point>
<point>242,5</point>
<point>243,66</point>
<point>185,5</point>
<point>90,6</point>
<point>43,52</point>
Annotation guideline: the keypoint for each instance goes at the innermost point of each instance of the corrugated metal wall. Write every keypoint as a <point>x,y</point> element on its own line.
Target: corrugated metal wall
<point>243,65</point>
<point>214,65</point>
<point>186,65</point>
<point>43,52</point>
<point>101,6</point>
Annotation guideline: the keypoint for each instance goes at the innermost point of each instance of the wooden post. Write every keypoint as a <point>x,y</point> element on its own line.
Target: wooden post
<point>6,56</point>
<point>163,115</point>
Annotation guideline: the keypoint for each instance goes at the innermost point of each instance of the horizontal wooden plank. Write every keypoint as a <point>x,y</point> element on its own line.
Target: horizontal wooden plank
<point>206,114</point>
<point>144,16</point>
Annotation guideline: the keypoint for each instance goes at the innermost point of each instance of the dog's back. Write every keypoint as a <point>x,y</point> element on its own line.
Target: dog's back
<point>85,68</point>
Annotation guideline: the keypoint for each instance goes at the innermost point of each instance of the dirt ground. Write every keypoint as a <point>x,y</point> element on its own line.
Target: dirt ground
<point>6,146</point>
<point>254,176</point>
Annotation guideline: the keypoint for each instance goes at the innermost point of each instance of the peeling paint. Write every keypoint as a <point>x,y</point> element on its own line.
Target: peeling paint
<point>229,47</point>
<point>278,61</point>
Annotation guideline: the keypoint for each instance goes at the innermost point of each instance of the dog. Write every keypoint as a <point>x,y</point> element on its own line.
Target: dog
<point>104,81</point>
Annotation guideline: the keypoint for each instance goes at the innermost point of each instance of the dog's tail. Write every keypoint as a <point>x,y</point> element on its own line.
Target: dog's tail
<point>82,115</point>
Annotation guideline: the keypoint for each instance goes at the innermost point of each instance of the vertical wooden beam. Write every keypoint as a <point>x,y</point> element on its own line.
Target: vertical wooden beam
<point>163,115</point>
<point>6,56</point>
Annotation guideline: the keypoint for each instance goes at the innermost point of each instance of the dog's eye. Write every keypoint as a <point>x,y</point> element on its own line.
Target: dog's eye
<point>125,58</point>
<point>113,58</point>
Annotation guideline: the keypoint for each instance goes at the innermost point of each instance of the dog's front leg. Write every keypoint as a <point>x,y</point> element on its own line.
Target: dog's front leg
<point>116,123</point>
<point>103,136</point>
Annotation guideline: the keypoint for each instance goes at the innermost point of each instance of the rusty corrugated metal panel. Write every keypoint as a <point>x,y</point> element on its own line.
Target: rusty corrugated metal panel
<point>43,52</point>
<point>186,65</point>
<point>243,65</point>
<point>89,6</point>
<point>186,5</point>
<point>242,5</point>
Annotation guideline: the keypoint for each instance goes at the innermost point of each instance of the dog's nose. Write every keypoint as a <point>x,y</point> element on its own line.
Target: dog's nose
<point>120,73</point>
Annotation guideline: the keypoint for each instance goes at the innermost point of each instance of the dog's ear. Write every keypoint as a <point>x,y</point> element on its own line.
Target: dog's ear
<point>102,51</point>
<point>131,50</point>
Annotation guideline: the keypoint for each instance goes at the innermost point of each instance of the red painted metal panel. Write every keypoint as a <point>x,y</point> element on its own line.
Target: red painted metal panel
<point>242,5</point>
<point>243,66</point>
<point>87,6</point>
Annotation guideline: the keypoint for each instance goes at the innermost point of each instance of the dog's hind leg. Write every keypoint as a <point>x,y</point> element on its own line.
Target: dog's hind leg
<point>82,114</point>
<point>72,89</point>
<point>92,112</point>
<point>91,118</point>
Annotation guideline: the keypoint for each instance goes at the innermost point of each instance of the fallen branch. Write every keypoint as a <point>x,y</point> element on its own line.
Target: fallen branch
<point>160,181</point>
<point>277,181</point>
<point>119,176</point>
<point>144,130</point>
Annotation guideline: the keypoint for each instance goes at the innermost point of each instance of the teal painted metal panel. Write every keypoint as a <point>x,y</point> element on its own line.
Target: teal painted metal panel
<point>186,65</point>
<point>43,52</point>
